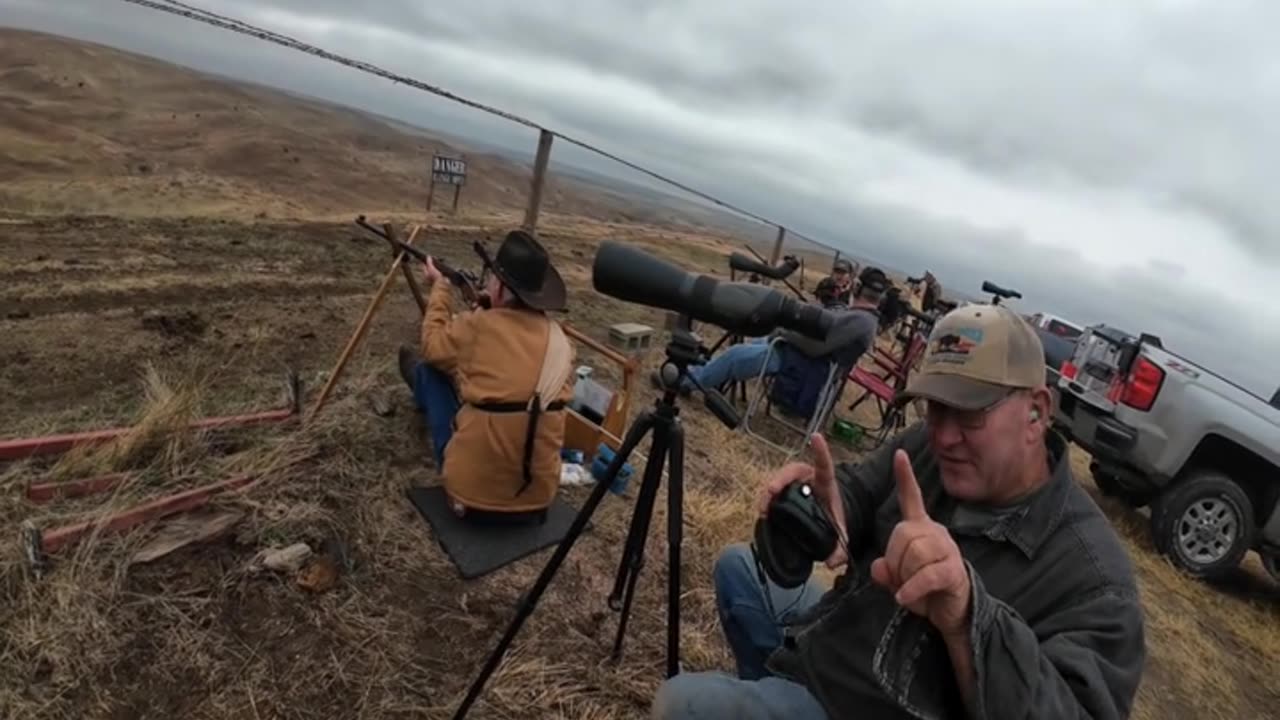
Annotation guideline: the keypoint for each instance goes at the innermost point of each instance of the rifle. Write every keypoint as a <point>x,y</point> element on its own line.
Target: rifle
<point>464,280</point>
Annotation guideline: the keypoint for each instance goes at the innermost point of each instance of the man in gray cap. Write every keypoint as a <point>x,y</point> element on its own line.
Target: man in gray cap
<point>842,276</point>
<point>980,580</point>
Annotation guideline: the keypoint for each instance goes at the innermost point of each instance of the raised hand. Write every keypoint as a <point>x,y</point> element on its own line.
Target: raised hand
<point>821,475</point>
<point>430,272</point>
<point>922,565</point>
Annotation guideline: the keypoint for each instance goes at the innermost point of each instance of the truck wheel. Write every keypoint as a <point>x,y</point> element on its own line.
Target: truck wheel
<point>1204,524</point>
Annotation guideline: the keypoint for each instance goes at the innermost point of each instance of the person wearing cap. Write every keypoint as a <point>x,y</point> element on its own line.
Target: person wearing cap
<point>842,276</point>
<point>493,384</point>
<point>979,579</point>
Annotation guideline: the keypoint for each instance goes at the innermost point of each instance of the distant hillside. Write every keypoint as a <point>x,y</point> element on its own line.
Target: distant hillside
<point>86,128</point>
<point>89,129</point>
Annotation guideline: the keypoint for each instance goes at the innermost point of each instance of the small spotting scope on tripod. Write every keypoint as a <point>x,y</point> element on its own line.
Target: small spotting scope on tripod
<point>630,274</point>
<point>742,263</point>
<point>998,293</point>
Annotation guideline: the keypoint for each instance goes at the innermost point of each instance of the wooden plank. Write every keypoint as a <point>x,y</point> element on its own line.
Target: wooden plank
<point>181,532</point>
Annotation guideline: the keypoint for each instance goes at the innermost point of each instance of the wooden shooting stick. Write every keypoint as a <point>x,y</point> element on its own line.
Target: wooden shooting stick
<point>361,329</point>
<point>414,288</point>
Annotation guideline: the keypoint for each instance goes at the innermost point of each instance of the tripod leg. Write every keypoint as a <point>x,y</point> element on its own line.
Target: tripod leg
<point>642,425</point>
<point>675,538</point>
<point>633,554</point>
<point>638,531</point>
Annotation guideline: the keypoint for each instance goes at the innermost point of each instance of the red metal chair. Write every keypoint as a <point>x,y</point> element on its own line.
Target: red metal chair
<point>883,388</point>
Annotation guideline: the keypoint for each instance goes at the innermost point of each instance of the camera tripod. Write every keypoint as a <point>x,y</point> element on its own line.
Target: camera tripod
<point>667,445</point>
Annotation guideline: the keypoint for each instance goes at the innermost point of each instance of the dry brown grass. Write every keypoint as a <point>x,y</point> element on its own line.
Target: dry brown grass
<point>198,634</point>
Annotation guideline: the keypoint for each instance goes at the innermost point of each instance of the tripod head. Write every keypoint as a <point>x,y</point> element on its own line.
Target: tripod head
<point>685,350</point>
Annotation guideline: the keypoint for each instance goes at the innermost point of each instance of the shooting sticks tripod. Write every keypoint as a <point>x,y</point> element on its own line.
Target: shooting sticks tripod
<point>667,445</point>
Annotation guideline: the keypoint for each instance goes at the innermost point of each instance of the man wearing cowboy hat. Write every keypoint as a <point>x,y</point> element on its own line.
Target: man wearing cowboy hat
<point>494,383</point>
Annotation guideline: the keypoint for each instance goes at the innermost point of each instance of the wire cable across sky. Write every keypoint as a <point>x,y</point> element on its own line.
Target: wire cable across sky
<point>191,12</point>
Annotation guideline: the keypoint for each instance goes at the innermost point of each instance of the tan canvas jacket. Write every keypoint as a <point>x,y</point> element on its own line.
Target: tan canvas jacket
<point>495,356</point>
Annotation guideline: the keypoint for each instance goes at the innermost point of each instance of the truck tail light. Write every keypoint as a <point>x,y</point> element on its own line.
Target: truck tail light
<point>1068,370</point>
<point>1143,386</point>
<point>1116,390</point>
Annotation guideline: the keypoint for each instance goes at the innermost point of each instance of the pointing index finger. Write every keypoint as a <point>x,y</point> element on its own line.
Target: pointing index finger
<point>910,499</point>
<point>823,467</point>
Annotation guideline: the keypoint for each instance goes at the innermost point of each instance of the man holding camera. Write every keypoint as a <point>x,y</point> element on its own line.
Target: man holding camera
<point>980,580</point>
<point>494,383</point>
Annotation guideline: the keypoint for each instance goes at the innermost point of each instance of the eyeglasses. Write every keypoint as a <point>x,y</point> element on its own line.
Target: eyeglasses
<point>937,414</point>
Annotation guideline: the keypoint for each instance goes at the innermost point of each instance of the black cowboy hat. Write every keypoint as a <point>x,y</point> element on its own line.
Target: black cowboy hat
<point>524,266</point>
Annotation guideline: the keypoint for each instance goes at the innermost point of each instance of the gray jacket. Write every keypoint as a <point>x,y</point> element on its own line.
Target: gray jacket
<point>852,333</point>
<point>1057,625</point>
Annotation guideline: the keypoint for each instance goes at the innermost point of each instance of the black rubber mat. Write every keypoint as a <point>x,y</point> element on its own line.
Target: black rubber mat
<point>480,549</point>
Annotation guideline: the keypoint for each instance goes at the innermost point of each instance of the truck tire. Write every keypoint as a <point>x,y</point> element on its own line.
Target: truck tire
<point>1203,523</point>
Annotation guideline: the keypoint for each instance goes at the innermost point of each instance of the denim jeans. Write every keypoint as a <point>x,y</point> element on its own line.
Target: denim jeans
<point>435,396</point>
<point>753,633</point>
<point>740,362</point>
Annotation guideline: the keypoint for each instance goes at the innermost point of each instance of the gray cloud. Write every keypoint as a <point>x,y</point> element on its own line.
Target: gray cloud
<point>805,112</point>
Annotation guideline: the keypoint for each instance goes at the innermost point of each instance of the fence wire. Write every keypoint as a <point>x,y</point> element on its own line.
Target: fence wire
<point>191,12</point>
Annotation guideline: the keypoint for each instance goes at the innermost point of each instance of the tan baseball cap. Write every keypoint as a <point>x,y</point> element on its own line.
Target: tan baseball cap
<point>976,355</point>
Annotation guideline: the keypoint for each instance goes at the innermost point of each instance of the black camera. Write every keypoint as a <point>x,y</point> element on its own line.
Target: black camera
<point>795,533</point>
<point>631,274</point>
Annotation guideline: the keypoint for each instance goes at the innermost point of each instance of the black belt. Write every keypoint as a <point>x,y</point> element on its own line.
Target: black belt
<point>535,410</point>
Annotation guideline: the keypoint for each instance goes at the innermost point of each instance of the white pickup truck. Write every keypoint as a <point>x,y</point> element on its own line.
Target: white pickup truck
<point>1201,451</point>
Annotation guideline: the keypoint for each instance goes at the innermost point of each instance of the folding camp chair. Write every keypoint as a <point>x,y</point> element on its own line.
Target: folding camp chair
<point>827,398</point>
<point>883,388</point>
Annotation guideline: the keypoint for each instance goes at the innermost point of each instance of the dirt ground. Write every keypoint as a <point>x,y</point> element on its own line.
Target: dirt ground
<point>87,304</point>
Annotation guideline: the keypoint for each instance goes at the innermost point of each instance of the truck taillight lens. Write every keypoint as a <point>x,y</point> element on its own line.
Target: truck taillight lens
<point>1068,370</point>
<point>1143,386</point>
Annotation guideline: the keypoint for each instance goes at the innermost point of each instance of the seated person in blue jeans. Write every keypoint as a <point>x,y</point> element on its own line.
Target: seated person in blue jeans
<point>980,580</point>
<point>851,335</point>
<point>493,384</point>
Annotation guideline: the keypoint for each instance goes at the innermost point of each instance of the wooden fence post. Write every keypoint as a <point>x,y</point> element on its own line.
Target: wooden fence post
<point>777,247</point>
<point>539,178</point>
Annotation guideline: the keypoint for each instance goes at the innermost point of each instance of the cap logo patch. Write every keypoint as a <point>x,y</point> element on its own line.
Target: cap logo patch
<point>955,346</point>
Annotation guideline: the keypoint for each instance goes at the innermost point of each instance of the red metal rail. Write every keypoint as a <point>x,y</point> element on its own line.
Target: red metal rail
<point>48,491</point>
<point>54,539</point>
<point>22,448</point>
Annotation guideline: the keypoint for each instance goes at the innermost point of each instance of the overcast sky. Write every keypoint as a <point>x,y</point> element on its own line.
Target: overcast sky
<point>1113,161</point>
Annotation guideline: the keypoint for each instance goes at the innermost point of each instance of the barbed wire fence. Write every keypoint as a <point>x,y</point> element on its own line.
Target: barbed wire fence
<point>542,157</point>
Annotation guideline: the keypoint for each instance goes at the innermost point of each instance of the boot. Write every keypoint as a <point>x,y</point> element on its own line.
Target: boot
<point>408,363</point>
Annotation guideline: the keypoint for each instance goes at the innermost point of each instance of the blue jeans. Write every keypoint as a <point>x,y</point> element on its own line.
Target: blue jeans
<point>435,396</point>
<point>740,362</point>
<point>753,634</point>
